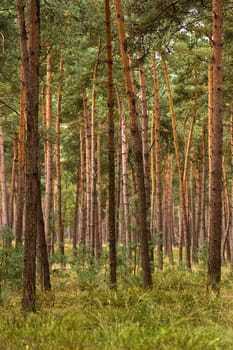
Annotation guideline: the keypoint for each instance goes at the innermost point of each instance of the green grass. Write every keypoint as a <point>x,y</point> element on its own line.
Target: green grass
<point>174,315</point>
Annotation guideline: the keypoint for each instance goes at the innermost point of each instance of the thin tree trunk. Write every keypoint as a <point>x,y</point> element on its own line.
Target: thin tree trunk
<point>42,252</point>
<point>145,142</point>
<point>203,234</point>
<point>82,216</point>
<point>231,230</point>
<point>135,133</point>
<point>13,181</point>
<point>48,212</point>
<point>179,167</point>
<point>60,229</point>
<point>76,212</point>
<point>125,182</point>
<point>99,200</point>
<point>4,197</point>
<point>210,131</point>
<point>88,166</point>
<point>21,166</point>
<point>226,213</point>
<point>93,148</point>
<point>158,180</point>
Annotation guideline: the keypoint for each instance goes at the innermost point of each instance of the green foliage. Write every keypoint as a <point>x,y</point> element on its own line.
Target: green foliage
<point>11,266</point>
<point>203,253</point>
<point>91,272</point>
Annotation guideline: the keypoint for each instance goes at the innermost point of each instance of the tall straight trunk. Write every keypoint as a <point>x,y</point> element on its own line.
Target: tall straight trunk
<point>111,151</point>
<point>194,233</point>
<point>118,187</point>
<point>42,252</point>
<point>170,212</point>
<point>145,142</point>
<point>179,167</point>
<point>48,211</point>
<point>158,180</point>
<point>188,146</point>
<point>60,230</point>
<point>76,213</point>
<point>93,157</point>
<point>98,243</point>
<point>21,166</point>
<point>3,181</point>
<point>210,130</point>
<point>225,213</point>
<point>215,223</point>
<point>82,215</point>
<point>136,137</point>
<point>125,181</point>
<point>30,60</point>
<point>88,166</point>
<point>13,180</point>
<point>152,175</point>
<point>231,229</point>
<point>202,233</point>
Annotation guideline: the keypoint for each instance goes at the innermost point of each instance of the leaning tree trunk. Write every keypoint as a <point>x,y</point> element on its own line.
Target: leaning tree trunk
<point>184,222</point>
<point>136,137</point>
<point>30,60</point>
<point>215,222</point>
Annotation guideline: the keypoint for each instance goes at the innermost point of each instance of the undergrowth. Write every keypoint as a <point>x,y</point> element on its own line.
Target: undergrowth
<point>174,315</point>
<point>82,312</point>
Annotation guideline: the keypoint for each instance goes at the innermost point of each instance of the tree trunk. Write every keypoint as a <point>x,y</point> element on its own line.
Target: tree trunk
<point>13,180</point>
<point>88,166</point>
<point>48,211</point>
<point>135,133</point>
<point>99,200</point>
<point>93,158</point>
<point>215,223</point>
<point>21,166</point>
<point>111,151</point>
<point>203,234</point>
<point>145,143</point>
<point>158,181</point>
<point>42,252</point>
<point>82,215</point>
<point>4,197</point>
<point>60,229</point>
<point>179,167</point>
<point>231,230</point>
<point>30,61</point>
<point>125,181</point>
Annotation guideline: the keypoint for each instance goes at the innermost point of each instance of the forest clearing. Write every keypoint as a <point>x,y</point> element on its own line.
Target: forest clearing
<point>116,162</point>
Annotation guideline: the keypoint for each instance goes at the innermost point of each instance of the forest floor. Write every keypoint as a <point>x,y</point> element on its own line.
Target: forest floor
<point>86,314</point>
